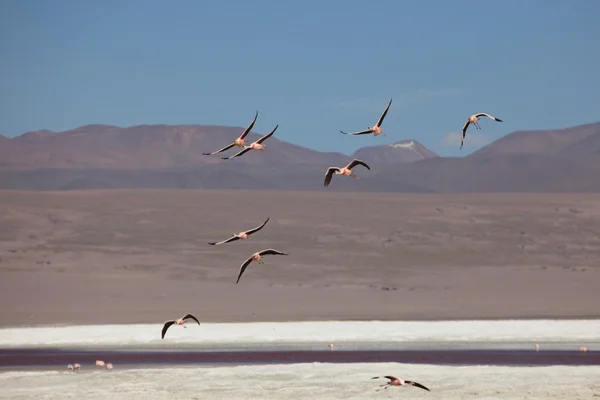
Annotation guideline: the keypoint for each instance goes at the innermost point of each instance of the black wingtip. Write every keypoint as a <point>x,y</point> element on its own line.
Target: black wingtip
<point>224,158</point>
<point>212,244</point>
<point>344,132</point>
<point>499,120</point>
<point>206,154</point>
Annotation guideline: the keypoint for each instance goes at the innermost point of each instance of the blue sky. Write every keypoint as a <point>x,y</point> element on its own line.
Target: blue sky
<point>313,67</point>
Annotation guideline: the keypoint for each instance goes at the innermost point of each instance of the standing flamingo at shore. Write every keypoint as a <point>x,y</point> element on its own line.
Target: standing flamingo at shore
<point>242,235</point>
<point>375,130</point>
<point>473,120</point>
<point>109,366</point>
<point>70,367</point>
<point>179,321</point>
<point>100,363</point>
<point>240,141</point>
<point>346,171</point>
<point>258,258</point>
<point>76,367</point>
<point>258,146</point>
<point>393,381</point>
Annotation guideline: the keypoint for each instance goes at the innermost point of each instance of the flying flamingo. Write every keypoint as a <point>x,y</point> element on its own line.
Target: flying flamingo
<point>375,130</point>
<point>393,381</point>
<point>240,141</point>
<point>258,258</point>
<point>179,321</point>
<point>254,146</point>
<point>241,235</point>
<point>346,171</point>
<point>473,120</point>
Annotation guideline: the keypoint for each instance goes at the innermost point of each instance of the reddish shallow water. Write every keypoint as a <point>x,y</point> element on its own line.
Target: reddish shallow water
<point>47,357</point>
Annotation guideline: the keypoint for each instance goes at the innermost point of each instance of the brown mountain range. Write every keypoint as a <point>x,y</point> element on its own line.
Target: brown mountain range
<point>163,156</point>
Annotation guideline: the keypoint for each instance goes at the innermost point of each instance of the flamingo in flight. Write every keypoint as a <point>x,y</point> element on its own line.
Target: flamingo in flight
<point>179,321</point>
<point>240,141</point>
<point>375,130</point>
<point>473,120</point>
<point>254,146</point>
<point>346,171</point>
<point>258,258</point>
<point>241,235</point>
<point>393,381</point>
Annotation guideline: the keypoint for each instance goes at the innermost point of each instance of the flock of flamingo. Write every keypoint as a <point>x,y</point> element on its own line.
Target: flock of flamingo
<point>257,257</point>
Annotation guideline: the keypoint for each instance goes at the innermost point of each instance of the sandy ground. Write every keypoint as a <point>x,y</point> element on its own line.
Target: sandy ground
<point>142,256</point>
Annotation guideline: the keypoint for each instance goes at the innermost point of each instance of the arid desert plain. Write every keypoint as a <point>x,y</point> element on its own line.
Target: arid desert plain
<point>142,256</point>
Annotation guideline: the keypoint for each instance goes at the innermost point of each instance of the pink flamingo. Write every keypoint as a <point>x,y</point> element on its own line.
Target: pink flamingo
<point>346,171</point>
<point>70,367</point>
<point>258,258</point>
<point>473,120</point>
<point>375,130</point>
<point>254,146</point>
<point>242,235</point>
<point>393,381</point>
<point>179,321</point>
<point>76,367</point>
<point>240,141</point>
<point>109,366</point>
<point>100,363</point>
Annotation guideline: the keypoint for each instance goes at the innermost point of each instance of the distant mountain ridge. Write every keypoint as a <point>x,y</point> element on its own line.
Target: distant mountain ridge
<point>166,156</point>
<point>405,151</point>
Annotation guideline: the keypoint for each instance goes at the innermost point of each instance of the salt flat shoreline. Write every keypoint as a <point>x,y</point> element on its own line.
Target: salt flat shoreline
<point>593,317</point>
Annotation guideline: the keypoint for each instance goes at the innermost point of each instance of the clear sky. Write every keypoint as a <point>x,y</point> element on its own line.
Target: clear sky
<point>312,66</point>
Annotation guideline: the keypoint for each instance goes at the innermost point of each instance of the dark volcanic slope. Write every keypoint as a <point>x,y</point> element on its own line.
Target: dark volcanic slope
<point>145,147</point>
<point>538,142</point>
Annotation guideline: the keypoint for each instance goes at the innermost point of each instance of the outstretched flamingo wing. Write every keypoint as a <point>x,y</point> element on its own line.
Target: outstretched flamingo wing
<point>243,268</point>
<point>241,152</point>
<point>243,135</point>
<point>382,117</point>
<point>165,327</point>
<point>479,115</point>
<point>231,239</point>
<point>391,378</point>
<point>258,228</point>
<point>272,252</point>
<point>190,316</point>
<point>356,162</point>
<point>220,151</point>
<point>464,133</point>
<point>268,135</point>
<point>417,384</point>
<point>357,133</point>
<point>329,175</point>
